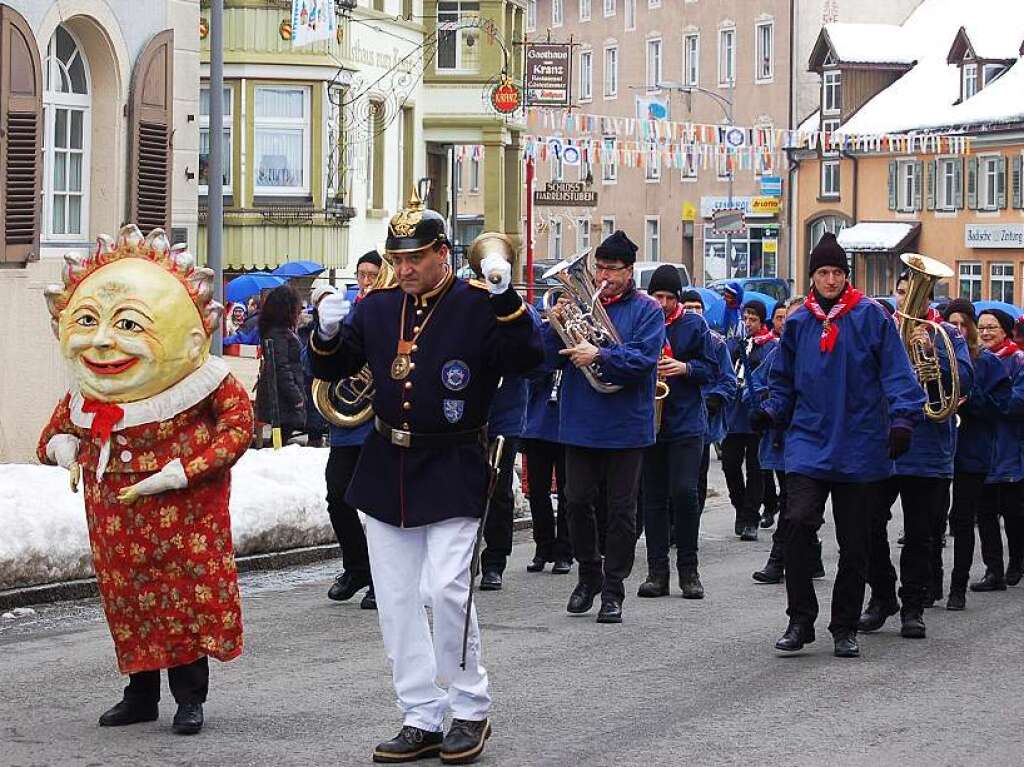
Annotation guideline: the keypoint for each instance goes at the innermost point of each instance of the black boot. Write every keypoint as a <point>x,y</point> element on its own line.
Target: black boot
<point>749,533</point>
<point>346,585</point>
<point>656,585</point>
<point>410,744</point>
<point>189,719</point>
<point>773,572</point>
<point>561,566</point>
<point>913,625</point>
<point>129,712</point>
<point>490,581</point>
<point>797,635</point>
<point>611,611</point>
<point>689,583</point>
<point>767,518</point>
<point>846,645</point>
<point>369,601</point>
<point>957,598</point>
<point>1013,573</point>
<point>877,612</point>
<point>537,565</point>
<point>465,741</point>
<point>582,598</point>
<point>990,582</point>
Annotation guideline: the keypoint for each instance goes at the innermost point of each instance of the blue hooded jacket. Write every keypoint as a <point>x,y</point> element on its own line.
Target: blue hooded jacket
<point>771,451</point>
<point>723,386</point>
<point>683,411</point>
<point>752,357</point>
<point>1008,451</point>
<point>541,420</point>
<point>980,414</point>
<point>838,406</point>
<point>732,319</point>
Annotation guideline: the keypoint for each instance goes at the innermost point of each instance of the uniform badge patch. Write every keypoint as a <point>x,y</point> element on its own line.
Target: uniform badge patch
<point>455,375</point>
<point>453,410</point>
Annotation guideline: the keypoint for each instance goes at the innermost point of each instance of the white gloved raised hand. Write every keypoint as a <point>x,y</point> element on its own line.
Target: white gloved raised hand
<point>170,477</point>
<point>497,272</point>
<point>62,449</point>
<point>331,311</point>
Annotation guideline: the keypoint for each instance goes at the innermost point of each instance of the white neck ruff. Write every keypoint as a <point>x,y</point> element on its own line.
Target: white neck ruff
<point>188,392</point>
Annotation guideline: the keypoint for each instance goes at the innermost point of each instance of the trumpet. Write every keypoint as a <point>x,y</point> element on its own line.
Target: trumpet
<point>661,392</point>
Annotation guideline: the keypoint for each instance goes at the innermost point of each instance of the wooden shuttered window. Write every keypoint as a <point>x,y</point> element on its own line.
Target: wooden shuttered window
<point>21,132</point>
<point>150,123</point>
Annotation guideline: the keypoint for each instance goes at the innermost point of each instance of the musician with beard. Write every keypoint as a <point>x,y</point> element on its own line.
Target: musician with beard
<point>846,395</point>
<point>605,434</point>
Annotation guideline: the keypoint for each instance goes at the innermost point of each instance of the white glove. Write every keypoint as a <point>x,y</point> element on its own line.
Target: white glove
<point>331,311</point>
<point>498,273</point>
<point>62,449</point>
<point>170,477</point>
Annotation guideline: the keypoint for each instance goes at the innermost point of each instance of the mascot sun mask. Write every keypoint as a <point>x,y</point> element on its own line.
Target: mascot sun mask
<point>135,317</point>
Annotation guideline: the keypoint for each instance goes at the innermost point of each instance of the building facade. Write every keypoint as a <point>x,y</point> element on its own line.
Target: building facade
<point>97,100</point>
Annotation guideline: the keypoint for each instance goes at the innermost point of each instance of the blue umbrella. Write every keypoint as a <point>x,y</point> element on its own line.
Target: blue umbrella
<point>1010,309</point>
<point>714,306</point>
<point>240,288</point>
<point>298,269</point>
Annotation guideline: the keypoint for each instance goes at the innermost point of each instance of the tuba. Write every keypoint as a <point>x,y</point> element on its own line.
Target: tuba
<point>585,318</point>
<point>348,403</point>
<point>940,402</point>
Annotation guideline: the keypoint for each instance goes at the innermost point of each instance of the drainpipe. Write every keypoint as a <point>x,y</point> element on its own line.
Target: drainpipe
<point>790,211</point>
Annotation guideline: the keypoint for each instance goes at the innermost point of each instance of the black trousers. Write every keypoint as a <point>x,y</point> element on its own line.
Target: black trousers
<point>1002,499</point>
<point>498,528</point>
<point>939,522</point>
<point>341,465</point>
<point>550,534</point>
<point>922,500</point>
<point>771,496</point>
<point>669,481</point>
<point>189,684</point>
<point>586,469</point>
<point>778,552</point>
<point>745,494</point>
<point>702,479</point>
<point>968,490</point>
<point>851,506</point>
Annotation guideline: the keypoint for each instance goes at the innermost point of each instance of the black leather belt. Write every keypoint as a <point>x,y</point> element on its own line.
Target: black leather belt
<point>447,439</point>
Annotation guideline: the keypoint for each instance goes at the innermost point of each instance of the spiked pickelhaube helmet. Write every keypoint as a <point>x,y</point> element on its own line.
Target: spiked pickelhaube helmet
<point>415,227</point>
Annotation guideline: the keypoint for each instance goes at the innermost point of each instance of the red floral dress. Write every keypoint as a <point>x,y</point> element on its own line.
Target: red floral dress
<point>165,564</point>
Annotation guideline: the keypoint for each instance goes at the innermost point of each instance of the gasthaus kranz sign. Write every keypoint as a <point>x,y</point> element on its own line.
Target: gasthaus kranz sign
<point>548,78</point>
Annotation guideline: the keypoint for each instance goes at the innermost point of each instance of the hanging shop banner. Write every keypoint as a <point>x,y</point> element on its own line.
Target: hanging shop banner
<point>565,194</point>
<point>505,98</point>
<point>312,20</point>
<point>548,78</point>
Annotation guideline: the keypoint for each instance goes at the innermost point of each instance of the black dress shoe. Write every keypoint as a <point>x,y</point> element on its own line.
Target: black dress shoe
<point>581,599</point>
<point>957,599</point>
<point>126,712</point>
<point>738,528</point>
<point>772,572</point>
<point>876,614</point>
<point>846,646</point>
<point>610,612</point>
<point>410,744</point>
<point>561,567</point>
<point>188,720</point>
<point>797,635</point>
<point>465,741</point>
<point>369,601</point>
<point>656,585</point>
<point>989,583</point>
<point>689,583</point>
<point>767,519</point>
<point>490,581</point>
<point>346,585</point>
<point>749,533</point>
<point>536,565</point>
<point>912,625</point>
<point>1013,575</point>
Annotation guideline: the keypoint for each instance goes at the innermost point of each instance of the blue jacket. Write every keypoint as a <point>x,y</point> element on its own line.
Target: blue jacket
<point>470,341</point>
<point>732,319</point>
<point>771,451</point>
<point>541,420</point>
<point>683,412</point>
<point>752,356</point>
<point>723,386</point>
<point>1008,451</point>
<point>625,419</point>
<point>933,444</point>
<point>508,408</point>
<point>980,414</point>
<point>838,406</point>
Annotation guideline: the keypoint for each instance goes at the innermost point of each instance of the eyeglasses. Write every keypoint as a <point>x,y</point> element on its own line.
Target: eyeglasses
<point>988,328</point>
<point>612,269</point>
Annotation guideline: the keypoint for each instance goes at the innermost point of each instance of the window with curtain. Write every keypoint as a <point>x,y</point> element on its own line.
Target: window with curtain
<point>204,140</point>
<point>281,138</point>
<point>691,59</point>
<point>67,106</point>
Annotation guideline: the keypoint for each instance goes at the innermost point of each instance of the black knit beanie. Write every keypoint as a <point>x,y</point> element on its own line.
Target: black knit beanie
<point>692,297</point>
<point>960,306</point>
<point>828,252</point>
<point>617,247</point>
<point>370,257</point>
<point>665,278</point>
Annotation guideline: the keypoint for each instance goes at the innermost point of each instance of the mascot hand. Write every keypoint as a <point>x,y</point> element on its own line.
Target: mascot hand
<point>74,476</point>
<point>170,477</point>
<point>331,311</point>
<point>498,273</point>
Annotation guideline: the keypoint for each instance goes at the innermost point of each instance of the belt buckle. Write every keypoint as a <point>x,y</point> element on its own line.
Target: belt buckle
<point>401,438</point>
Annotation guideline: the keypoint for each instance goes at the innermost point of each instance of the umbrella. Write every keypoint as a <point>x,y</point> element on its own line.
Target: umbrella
<point>1010,309</point>
<point>298,269</point>
<point>714,306</point>
<point>240,288</point>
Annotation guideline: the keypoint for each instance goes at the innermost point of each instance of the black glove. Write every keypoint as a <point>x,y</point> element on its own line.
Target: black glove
<point>760,421</point>
<point>714,403</point>
<point>899,441</point>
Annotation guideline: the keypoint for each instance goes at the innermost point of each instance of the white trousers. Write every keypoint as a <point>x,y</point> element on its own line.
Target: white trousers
<point>437,557</point>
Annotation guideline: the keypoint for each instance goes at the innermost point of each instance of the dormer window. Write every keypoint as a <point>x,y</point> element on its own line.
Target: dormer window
<point>992,72</point>
<point>831,95</point>
<point>970,80</point>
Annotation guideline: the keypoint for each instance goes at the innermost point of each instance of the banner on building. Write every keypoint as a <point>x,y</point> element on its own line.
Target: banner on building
<point>651,109</point>
<point>312,20</point>
<point>548,76</point>
<point>565,194</point>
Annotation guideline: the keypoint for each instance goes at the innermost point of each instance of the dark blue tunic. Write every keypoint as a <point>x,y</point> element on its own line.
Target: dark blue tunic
<point>683,411</point>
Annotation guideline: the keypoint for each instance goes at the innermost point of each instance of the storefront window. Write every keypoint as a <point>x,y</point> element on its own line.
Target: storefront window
<point>754,253</point>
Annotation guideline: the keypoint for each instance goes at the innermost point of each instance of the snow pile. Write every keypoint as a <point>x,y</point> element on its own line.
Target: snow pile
<point>277,502</point>
<point>924,98</point>
<point>875,236</point>
<point>869,43</point>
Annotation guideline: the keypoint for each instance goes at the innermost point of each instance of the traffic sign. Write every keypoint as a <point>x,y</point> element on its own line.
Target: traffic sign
<point>728,220</point>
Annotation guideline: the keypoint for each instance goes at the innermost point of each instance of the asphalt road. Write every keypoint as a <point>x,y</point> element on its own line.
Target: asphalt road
<point>678,683</point>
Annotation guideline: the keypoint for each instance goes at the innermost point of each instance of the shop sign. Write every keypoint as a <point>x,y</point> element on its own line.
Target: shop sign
<point>769,247</point>
<point>708,205</point>
<point>505,97</point>
<point>761,207</point>
<point>996,236</point>
<point>548,75</point>
<point>565,194</point>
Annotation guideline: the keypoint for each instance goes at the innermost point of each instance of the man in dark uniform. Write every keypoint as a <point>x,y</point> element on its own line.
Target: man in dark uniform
<point>436,347</point>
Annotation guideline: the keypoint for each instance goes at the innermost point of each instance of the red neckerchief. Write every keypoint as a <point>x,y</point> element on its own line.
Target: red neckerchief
<point>763,336</point>
<point>1006,349</point>
<point>676,314</point>
<point>107,414</point>
<point>829,330</point>
<point>932,315</point>
<point>609,300</point>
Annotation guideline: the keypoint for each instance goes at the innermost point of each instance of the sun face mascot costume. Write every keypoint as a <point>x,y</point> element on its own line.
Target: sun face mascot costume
<point>152,425</point>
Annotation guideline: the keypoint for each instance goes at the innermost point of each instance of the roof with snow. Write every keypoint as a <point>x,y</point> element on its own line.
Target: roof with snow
<point>880,44</point>
<point>925,97</point>
<point>878,236</point>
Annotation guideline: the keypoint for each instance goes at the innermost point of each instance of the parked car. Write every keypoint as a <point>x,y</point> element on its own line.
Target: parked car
<point>643,270</point>
<point>776,287</point>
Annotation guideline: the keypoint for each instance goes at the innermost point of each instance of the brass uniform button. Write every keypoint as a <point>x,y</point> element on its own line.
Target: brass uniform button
<point>414,348</point>
<point>416,329</point>
<point>408,384</point>
<point>412,366</point>
<point>405,425</point>
<point>406,406</point>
